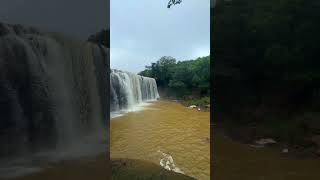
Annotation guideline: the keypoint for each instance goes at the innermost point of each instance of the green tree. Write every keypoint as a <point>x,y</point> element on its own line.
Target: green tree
<point>182,77</point>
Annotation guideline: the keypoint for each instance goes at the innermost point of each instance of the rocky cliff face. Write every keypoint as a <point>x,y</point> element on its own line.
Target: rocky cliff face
<point>53,90</point>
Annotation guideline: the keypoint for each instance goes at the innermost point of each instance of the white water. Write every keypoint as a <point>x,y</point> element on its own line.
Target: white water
<point>130,92</point>
<point>138,107</point>
<point>51,86</point>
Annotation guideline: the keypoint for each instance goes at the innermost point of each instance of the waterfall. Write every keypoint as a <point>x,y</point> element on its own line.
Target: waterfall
<point>53,91</point>
<point>128,90</point>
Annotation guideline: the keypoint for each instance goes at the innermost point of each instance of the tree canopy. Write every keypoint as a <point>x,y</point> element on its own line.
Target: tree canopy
<point>273,47</point>
<point>102,37</point>
<point>271,43</point>
<point>181,77</point>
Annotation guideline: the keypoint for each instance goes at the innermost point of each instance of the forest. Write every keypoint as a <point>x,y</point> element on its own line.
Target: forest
<point>267,69</point>
<point>101,37</point>
<point>186,80</point>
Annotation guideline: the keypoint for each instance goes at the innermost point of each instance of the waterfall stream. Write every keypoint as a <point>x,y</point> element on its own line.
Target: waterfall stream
<point>53,98</point>
<point>54,95</point>
<point>129,90</point>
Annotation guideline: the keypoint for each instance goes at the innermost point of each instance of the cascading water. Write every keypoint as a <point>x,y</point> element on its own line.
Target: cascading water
<point>129,90</point>
<point>53,94</point>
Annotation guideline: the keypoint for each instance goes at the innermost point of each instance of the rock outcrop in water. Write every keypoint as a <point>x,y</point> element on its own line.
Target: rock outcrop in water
<point>53,89</point>
<point>134,169</point>
<point>129,89</point>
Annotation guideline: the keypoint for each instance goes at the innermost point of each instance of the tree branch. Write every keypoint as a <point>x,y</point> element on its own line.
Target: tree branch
<point>173,2</point>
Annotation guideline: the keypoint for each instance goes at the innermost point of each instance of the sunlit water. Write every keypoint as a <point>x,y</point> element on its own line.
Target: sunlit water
<point>165,133</point>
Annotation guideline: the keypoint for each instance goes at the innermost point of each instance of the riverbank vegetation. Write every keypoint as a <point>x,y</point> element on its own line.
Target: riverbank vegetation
<point>187,81</point>
<point>267,69</point>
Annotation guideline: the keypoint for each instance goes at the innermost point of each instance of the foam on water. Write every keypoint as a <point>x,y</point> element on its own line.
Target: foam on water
<point>139,107</point>
<point>166,161</point>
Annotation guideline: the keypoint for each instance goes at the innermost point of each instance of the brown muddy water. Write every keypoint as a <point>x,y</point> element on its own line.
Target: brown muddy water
<point>164,127</point>
<point>237,161</point>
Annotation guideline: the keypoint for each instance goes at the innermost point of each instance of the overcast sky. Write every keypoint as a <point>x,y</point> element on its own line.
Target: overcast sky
<point>143,31</point>
<point>77,18</point>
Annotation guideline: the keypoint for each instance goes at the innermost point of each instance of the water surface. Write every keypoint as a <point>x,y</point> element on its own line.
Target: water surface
<point>164,127</point>
<point>235,161</point>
